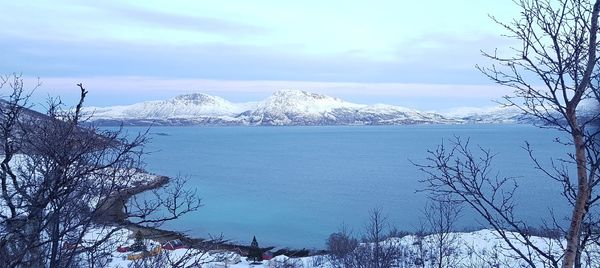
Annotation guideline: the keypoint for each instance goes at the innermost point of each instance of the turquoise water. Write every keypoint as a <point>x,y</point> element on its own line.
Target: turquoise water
<point>293,186</point>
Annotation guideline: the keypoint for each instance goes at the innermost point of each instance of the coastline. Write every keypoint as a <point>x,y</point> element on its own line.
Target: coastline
<point>112,213</point>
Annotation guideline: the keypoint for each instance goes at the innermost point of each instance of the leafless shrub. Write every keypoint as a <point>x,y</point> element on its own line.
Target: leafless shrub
<point>442,214</point>
<point>376,251</point>
<point>63,183</point>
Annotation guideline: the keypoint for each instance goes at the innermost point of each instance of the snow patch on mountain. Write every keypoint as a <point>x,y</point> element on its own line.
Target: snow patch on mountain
<point>494,114</point>
<point>294,107</point>
<point>183,106</point>
<point>302,102</point>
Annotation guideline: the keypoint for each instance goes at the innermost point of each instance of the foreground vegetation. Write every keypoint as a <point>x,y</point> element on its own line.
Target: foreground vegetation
<point>64,185</point>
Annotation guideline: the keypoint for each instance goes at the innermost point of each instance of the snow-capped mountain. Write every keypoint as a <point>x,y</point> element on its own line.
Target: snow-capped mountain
<point>183,106</point>
<point>498,114</point>
<point>290,107</point>
<point>283,107</point>
<point>293,107</point>
<point>186,109</point>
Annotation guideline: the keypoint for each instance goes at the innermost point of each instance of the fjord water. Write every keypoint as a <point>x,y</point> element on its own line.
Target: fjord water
<point>293,186</point>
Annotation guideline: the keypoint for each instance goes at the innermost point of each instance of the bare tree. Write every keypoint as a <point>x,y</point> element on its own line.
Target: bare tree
<point>462,174</point>
<point>341,245</point>
<point>555,76</point>
<point>376,251</point>
<point>442,215</point>
<point>379,254</point>
<point>59,178</point>
<point>420,248</point>
<point>559,49</point>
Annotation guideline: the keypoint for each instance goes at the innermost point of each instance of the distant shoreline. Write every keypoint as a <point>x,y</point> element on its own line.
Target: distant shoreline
<point>152,125</point>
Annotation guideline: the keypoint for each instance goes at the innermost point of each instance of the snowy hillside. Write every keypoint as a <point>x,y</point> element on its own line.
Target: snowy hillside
<point>185,109</point>
<point>293,107</point>
<point>482,248</point>
<point>286,107</point>
<point>489,115</point>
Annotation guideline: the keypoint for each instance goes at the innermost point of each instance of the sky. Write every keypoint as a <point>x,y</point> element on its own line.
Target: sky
<point>418,54</point>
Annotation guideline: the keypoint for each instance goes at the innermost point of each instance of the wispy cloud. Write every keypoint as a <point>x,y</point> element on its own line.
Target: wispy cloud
<point>165,19</point>
<point>109,21</point>
<point>236,62</point>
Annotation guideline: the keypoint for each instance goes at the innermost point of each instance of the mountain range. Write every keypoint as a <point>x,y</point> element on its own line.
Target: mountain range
<point>284,108</point>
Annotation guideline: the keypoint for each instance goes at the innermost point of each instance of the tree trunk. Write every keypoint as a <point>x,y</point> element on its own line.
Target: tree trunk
<point>440,257</point>
<point>55,244</point>
<point>583,193</point>
<point>583,187</point>
<point>32,230</point>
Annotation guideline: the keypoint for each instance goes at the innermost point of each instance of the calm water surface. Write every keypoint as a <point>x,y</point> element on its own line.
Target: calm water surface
<point>293,186</point>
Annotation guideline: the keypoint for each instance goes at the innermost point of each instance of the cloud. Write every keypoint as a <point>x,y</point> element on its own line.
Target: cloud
<point>175,86</point>
<point>148,17</point>
<point>114,21</point>
<point>454,51</point>
<point>226,61</point>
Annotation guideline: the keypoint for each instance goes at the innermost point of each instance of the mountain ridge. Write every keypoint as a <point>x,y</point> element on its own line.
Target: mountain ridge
<point>282,108</point>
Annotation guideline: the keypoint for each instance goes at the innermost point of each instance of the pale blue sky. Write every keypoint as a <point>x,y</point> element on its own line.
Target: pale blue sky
<point>418,54</point>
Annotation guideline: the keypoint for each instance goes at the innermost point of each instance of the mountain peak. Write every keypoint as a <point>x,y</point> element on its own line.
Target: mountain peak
<point>299,94</point>
<point>198,98</point>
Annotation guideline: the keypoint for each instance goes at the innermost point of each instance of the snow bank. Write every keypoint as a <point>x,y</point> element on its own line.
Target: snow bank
<point>482,248</point>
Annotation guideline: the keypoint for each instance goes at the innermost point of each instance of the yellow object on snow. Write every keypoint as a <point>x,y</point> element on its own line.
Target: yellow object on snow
<point>140,255</point>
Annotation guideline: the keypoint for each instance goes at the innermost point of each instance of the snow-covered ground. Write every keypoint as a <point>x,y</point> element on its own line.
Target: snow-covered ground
<point>482,248</point>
